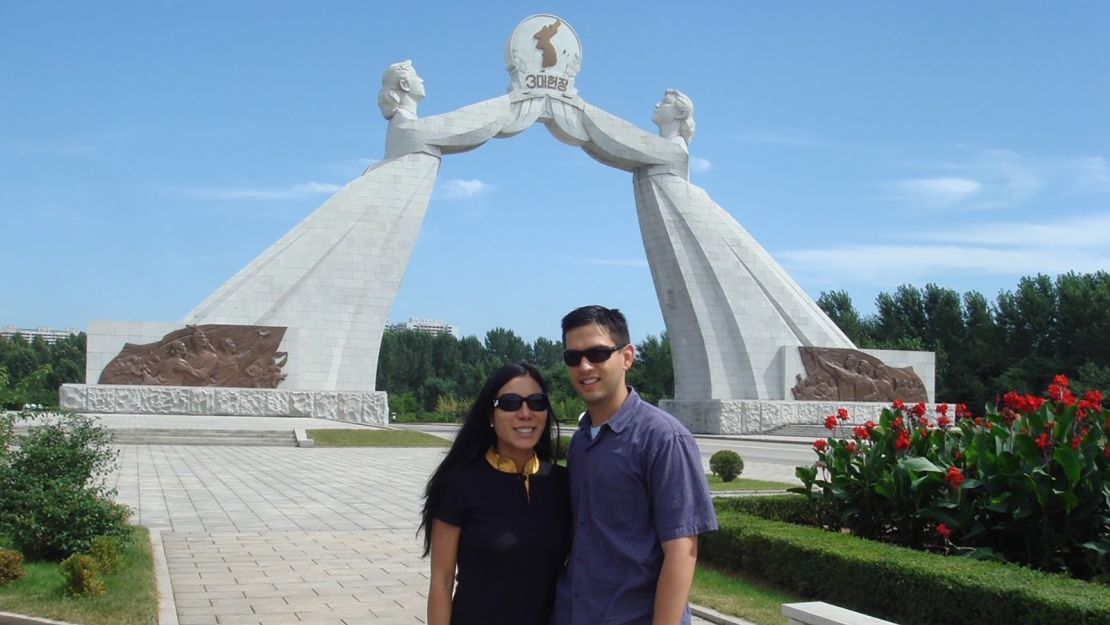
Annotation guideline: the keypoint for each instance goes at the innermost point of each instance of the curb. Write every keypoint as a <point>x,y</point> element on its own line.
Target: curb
<point>10,618</point>
<point>716,617</point>
<point>167,608</point>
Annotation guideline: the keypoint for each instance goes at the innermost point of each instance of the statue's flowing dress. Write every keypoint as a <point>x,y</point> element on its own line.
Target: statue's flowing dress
<point>305,280</point>
<point>728,306</point>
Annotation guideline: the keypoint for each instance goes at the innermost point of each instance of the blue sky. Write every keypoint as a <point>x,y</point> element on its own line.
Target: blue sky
<point>150,150</point>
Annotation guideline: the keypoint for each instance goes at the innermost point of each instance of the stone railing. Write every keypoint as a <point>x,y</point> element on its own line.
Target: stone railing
<point>821,613</point>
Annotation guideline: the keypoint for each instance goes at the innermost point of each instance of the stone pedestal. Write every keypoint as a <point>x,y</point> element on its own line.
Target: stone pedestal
<point>752,416</point>
<point>355,407</point>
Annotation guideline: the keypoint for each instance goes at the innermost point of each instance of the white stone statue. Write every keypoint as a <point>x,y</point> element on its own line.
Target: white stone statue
<point>332,279</point>
<point>728,306</point>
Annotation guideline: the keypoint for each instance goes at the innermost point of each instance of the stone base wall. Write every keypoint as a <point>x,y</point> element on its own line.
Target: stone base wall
<point>355,407</point>
<point>751,416</point>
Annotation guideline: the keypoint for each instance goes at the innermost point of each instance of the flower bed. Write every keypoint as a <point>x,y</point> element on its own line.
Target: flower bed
<point>1027,483</point>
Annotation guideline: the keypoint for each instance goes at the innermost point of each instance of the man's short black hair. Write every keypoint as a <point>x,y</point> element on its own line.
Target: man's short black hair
<point>609,318</point>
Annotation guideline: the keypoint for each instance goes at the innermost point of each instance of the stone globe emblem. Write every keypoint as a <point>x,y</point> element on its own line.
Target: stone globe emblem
<point>543,56</point>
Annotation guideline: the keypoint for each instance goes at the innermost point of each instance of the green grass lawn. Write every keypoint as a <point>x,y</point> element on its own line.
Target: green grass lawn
<point>743,483</point>
<point>375,438</point>
<point>740,596</point>
<point>131,597</point>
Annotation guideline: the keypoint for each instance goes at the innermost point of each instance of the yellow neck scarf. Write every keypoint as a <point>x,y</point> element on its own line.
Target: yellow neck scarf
<point>508,465</point>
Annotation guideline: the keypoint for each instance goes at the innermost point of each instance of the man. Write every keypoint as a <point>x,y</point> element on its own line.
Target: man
<point>639,496</point>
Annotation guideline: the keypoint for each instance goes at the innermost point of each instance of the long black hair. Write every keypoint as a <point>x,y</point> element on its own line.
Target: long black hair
<point>476,436</point>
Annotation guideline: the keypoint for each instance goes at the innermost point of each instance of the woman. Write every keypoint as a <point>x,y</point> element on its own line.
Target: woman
<point>497,509</point>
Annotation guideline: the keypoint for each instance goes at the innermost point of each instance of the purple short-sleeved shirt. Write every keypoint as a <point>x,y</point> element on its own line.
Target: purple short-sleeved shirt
<point>635,485</point>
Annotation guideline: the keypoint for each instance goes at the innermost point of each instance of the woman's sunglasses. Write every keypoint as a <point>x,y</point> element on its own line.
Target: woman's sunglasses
<point>596,355</point>
<point>511,402</point>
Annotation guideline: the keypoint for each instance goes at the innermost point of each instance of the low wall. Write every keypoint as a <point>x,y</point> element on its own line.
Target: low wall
<point>753,416</point>
<point>355,407</point>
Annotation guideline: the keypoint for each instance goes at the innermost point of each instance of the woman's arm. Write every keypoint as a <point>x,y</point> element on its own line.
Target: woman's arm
<point>441,584</point>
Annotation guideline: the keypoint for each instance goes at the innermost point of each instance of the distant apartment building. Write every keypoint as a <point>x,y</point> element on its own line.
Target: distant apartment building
<point>49,335</point>
<point>427,326</point>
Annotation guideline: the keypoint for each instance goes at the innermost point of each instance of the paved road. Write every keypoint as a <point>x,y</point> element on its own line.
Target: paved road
<point>277,535</point>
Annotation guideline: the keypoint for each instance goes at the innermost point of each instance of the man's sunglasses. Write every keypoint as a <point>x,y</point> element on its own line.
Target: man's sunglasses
<point>511,402</point>
<point>596,355</point>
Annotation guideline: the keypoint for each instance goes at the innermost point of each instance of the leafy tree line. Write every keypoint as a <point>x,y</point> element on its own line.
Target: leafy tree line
<point>437,376</point>
<point>32,370</point>
<point>1018,342</point>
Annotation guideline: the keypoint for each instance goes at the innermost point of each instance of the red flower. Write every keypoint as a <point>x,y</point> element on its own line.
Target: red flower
<point>898,404</point>
<point>842,414</point>
<point>962,411</point>
<point>1075,442</point>
<point>1014,401</point>
<point>925,422</point>
<point>1060,379</point>
<point>942,409</point>
<point>944,531</point>
<point>954,477</point>
<point>861,432</point>
<point>820,445</point>
<point>1106,451</point>
<point>851,447</point>
<point>898,423</point>
<point>980,422</point>
<point>1034,403</point>
<point>871,425</point>
<point>1093,397</point>
<point>830,422</point>
<point>1042,441</point>
<point>958,455</point>
<point>903,441</point>
<point>919,409</point>
<point>944,422</point>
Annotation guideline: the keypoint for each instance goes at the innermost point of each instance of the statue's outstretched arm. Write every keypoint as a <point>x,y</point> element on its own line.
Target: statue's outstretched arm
<point>619,144</point>
<point>468,127</point>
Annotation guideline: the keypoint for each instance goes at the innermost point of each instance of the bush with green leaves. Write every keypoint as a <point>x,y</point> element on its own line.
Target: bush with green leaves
<point>1027,483</point>
<point>902,585</point>
<point>81,576</point>
<point>726,464</point>
<point>108,553</point>
<point>11,566</point>
<point>53,500</point>
<point>791,508</point>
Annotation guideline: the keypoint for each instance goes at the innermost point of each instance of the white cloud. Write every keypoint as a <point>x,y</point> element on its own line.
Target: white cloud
<point>700,165</point>
<point>999,248</point>
<point>304,189</point>
<point>944,191</point>
<point>458,188</point>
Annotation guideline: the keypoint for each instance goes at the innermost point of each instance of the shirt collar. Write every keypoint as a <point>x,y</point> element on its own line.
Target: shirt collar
<point>622,417</point>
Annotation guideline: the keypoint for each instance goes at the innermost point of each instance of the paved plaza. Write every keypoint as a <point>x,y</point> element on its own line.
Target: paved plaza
<point>280,535</point>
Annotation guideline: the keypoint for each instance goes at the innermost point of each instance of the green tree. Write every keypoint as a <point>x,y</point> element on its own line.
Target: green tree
<point>653,373</point>
<point>504,346</point>
<point>838,306</point>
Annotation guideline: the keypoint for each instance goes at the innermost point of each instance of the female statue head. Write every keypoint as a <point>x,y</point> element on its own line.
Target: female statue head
<point>401,90</point>
<point>674,115</point>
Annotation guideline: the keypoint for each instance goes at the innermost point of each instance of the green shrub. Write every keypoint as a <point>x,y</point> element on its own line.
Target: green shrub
<point>726,464</point>
<point>81,577</point>
<point>902,585</point>
<point>11,566</point>
<point>108,553</point>
<point>52,498</point>
<point>562,445</point>
<point>797,509</point>
<point>1025,483</point>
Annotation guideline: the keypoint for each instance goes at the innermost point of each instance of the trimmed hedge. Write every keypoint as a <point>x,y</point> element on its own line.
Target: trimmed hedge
<point>797,509</point>
<point>906,586</point>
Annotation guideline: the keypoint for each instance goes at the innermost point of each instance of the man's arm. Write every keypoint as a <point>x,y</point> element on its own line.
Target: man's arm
<point>680,556</point>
